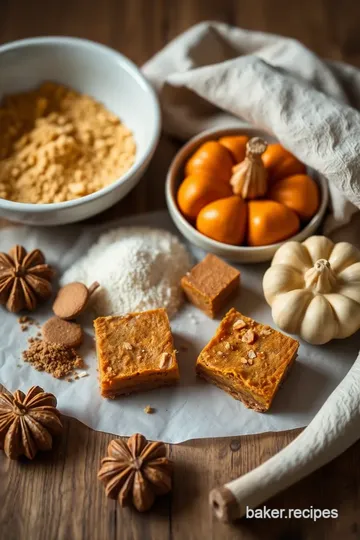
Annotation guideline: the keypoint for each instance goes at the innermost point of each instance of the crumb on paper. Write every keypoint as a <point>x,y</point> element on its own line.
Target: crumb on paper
<point>25,322</point>
<point>149,410</point>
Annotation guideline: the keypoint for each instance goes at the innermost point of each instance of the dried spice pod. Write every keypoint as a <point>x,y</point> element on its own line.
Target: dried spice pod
<point>28,422</point>
<point>136,471</point>
<point>72,299</point>
<point>66,333</point>
<point>249,178</point>
<point>25,279</point>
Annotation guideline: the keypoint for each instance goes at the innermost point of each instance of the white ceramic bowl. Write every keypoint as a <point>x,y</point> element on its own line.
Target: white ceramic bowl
<point>104,74</point>
<point>242,254</point>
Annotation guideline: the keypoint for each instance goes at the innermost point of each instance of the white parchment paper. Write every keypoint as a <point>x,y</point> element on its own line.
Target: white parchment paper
<point>194,408</point>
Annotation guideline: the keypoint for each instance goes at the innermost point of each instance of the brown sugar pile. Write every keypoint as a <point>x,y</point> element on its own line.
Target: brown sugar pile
<point>57,145</point>
<point>53,358</point>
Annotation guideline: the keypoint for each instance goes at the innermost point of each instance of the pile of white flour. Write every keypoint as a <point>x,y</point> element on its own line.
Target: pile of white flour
<point>138,269</point>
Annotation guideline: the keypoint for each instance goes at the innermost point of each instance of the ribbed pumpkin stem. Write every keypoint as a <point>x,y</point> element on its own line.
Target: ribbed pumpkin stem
<point>249,177</point>
<point>321,277</point>
<point>19,408</point>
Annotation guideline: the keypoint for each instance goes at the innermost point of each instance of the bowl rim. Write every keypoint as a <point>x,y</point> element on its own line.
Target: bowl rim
<point>191,145</point>
<point>140,79</point>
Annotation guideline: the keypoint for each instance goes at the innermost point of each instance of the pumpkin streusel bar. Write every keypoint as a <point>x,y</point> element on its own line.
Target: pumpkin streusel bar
<point>135,352</point>
<point>247,359</point>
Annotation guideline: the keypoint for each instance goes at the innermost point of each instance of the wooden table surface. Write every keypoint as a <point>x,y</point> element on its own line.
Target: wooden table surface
<point>58,496</point>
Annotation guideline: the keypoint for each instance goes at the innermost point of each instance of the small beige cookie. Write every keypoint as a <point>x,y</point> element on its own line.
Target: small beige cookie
<point>65,333</point>
<point>72,299</point>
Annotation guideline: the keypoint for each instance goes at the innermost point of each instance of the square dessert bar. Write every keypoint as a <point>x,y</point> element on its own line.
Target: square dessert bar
<point>247,359</point>
<point>135,352</point>
<point>210,284</point>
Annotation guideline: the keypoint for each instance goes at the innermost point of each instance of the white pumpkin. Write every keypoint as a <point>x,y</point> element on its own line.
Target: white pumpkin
<point>313,289</point>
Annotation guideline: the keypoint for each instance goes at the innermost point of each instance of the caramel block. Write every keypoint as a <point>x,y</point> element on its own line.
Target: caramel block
<point>247,359</point>
<point>210,284</point>
<point>135,352</point>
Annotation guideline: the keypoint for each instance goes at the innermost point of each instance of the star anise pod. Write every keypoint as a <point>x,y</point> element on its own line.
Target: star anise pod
<point>28,422</point>
<point>136,471</point>
<point>25,279</point>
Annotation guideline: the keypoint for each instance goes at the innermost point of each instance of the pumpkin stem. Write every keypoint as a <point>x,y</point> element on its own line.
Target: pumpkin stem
<point>93,287</point>
<point>321,277</point>
<point>19,408</point>
<point>249,178</point>
<point>137,463</point>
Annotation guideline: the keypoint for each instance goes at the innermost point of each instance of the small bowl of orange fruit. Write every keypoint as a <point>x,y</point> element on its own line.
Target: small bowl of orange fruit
<point>239,194</point>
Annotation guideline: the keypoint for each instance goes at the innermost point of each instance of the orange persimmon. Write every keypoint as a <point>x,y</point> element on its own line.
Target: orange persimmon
<point>281,163</point>
<point>211,157</point>
<point>198,190</point>
<point>298,192</point>
<point>209,196</point>
<point>224,220</point>
<point>236,144</point>
<point>270,222</point>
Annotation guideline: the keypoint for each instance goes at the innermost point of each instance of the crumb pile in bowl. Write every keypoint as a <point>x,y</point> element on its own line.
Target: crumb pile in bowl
<point>57,145</point>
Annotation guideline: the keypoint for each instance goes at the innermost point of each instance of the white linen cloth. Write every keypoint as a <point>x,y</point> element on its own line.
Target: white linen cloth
<point>215,75</point>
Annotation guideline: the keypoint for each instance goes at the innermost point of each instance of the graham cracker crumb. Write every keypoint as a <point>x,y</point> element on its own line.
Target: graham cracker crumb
<point>265,331</point>
<point>25,322</point>
<point>165,360</point>
<point>249,337</point>
<point>239,324</point>
<point>149,410</point>
<point>57,145</point>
